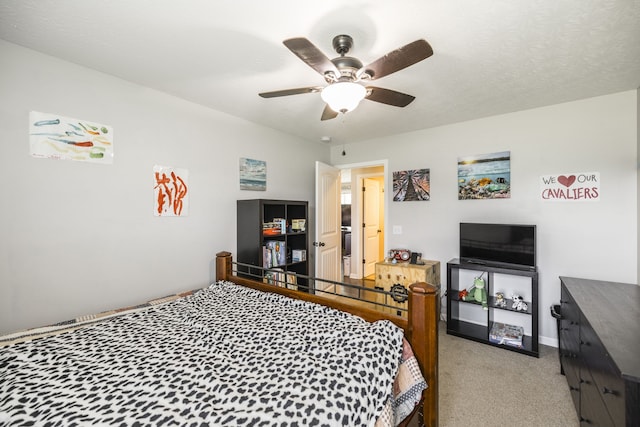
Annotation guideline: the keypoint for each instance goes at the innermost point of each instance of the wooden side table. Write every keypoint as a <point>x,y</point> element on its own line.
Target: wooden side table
<point>403,274</point>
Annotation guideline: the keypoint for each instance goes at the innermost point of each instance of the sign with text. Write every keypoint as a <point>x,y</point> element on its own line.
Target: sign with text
<point>571,187</point>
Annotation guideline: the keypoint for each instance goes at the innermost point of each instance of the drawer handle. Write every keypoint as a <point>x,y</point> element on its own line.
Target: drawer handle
<point>587,343</point>
<point>584,420</point>
<point>609,391</point>
<point>572,388</point>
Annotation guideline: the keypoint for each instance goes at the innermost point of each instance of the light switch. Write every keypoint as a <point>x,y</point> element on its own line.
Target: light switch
<point>397,229</point>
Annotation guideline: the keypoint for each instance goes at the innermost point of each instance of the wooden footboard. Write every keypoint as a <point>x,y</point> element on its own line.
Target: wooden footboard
<point>421,326</point>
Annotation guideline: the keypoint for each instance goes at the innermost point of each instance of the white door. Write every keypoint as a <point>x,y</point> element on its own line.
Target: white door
<point>328,232</point>
<point>371,224</point>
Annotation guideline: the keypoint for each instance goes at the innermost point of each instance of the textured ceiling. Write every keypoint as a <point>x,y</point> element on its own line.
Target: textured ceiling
<point>490,57</point>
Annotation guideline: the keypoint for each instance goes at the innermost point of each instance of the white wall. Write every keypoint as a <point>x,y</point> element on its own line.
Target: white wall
<point>581,239</point>
<point>77,238</point>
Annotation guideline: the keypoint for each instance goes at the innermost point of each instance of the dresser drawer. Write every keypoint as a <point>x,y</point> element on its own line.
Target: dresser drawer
<point>571,366</point>
<point>569,329</point>
<point>593,411</point>
<point>611,388</point>
<point>606,377</point>
<point>570,320</point>
<point>569,344</point>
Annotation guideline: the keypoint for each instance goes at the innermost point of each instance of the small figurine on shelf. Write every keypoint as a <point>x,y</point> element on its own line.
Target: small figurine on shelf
<point>477,292</point>
<point>518,303</point>
<point>500,301</point>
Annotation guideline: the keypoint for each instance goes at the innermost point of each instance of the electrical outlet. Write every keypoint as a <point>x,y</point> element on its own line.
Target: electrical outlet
<point>397,229</point>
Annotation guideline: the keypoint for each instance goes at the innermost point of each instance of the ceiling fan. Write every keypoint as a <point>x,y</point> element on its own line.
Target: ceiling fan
<point>347,76</point>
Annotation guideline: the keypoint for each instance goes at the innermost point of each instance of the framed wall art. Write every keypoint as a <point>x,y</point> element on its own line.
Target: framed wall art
<point>253,174</point>
<point>485,176</point>
<point>171,191</point>
<point>57,137</point>
<point>411,185</point>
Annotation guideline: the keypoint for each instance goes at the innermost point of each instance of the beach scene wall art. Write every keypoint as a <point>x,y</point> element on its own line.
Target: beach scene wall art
<point>485,176</point>
<point>253,174</point>
<point>57,137</point>
<point>170,191</point>
<point>411,185</point>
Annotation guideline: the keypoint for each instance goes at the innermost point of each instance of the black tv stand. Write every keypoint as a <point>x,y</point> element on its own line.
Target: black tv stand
<point>467,319</point>
<point>498,264</point>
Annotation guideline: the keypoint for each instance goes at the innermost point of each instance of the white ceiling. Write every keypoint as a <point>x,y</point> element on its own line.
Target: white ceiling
<point>490,57</point>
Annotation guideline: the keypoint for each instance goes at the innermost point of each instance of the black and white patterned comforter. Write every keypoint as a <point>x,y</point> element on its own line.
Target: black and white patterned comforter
<point>226,355</point>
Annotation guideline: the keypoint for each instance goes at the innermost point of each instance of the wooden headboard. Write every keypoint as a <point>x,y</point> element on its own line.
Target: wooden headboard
<point>420,327</point>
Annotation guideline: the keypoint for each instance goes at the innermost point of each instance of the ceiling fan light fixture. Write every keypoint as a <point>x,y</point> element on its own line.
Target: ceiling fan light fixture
<point>343,97</point>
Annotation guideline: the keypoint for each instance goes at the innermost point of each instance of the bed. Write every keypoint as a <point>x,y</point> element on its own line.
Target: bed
<point>171,362</point>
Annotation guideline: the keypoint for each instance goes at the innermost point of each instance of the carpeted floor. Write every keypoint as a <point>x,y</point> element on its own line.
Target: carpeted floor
<point>481,385</point>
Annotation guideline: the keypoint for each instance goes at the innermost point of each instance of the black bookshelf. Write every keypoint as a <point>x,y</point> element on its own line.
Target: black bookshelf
<point>252,214</point>
<point>479,328</point>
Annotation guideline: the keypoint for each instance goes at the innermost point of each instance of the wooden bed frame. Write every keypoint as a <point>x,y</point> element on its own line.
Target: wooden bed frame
<point>420,328</point>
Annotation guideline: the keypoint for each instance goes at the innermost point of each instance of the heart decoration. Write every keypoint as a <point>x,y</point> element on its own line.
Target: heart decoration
<point>567,180</point>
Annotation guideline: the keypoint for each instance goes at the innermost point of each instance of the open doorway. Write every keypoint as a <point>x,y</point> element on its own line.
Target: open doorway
<point>363,228</point>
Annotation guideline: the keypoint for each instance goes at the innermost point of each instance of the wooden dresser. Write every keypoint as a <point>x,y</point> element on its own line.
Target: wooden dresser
<point>389,275</point>
<point>600,350</point>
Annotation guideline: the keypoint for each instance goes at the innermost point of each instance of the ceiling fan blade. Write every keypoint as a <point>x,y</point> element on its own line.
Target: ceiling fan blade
<point>388,96</point>
<point>398,59</point>
<point>328,113</point>
<point>287,92</point>
<point>312,56</point>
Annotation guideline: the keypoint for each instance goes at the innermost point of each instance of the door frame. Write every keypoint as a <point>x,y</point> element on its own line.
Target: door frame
<point>356,212</point>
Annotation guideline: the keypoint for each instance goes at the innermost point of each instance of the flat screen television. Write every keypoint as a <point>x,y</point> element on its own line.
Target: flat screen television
<point>501,245</point>
<point>346,215</point>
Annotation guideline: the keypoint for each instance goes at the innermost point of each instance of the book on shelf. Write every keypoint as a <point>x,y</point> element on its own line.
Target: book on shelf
<point>266,257</point>
<point>298,225</point>
<point>506,334</point>
<point>275,227</point>
<point>298,255</point>
<point>272,228</point>
<point>274,277</point>
<point>282,224</point>
<point>275,252</point>
<point>268,278</point>
<point>291,281</point>
<point>280,278</point>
